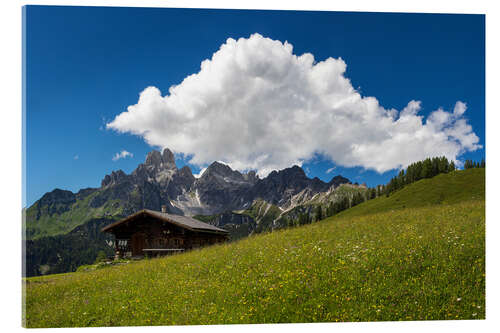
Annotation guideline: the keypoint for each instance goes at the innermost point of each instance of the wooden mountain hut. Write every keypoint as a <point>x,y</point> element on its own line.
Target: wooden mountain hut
<point>150,232</point>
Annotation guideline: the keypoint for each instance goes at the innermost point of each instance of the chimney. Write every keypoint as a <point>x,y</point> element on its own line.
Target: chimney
<point>163,208</point>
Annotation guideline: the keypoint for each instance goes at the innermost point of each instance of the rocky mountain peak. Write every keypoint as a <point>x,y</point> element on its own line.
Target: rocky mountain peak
<point>157,160</point>
<point>251,176</point>
<point>168,159</point>
<point>185,177</point>
<point>338,180</point>
<point>57,196</point>
<point>293,173</point>
<point>186,171</point>
<point>221,169</point>
<point>154,158</point>
<point>55,202</point>
<point>113,178</point>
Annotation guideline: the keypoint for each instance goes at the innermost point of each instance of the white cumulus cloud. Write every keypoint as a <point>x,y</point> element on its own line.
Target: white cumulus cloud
<point>256,105</point>
<point>122,154</point>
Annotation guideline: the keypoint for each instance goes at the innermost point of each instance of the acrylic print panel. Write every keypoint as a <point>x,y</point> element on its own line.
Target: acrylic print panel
<point>197,166</point>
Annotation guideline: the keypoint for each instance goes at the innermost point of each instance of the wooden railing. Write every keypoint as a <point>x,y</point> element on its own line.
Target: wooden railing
<point>161,251</point>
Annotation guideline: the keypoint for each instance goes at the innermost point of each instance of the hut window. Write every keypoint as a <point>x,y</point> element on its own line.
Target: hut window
<point>122,243</point>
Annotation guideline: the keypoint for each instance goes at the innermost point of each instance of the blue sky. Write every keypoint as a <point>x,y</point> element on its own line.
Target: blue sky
<point>85,66</point>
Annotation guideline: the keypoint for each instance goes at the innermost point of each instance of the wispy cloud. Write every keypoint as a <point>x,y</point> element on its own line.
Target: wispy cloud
<point>122,154</point>
<point>331,169</point>
<point>103,124</point>
<point>270,109</point>
<point>76,157</point>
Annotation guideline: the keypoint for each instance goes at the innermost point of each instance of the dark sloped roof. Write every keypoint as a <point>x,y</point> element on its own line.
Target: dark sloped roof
<point>181,221</point>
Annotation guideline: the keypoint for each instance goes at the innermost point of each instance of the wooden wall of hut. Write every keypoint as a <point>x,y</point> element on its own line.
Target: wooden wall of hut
<point>149,233</point>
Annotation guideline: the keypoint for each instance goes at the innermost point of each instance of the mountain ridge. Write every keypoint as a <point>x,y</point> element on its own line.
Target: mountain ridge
<point>158,181</point>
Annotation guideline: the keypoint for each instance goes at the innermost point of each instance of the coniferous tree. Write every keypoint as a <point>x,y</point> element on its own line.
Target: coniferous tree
<point>426,168</point>
<point>418,170</point>
<point>435,166</point>
<point>344,204</point>
<point>329,209</point>
<point>319,213</point>
<point>443,165</point>
<point>335,208</point>
<point>400,181</point>
<point>302,219</point>
<point>357,198</point>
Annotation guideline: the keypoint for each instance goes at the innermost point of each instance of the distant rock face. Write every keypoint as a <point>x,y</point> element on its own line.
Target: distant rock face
<point>154,158</point>
<point>279,187</point>
<point>222,188</point>
<point>217,169</point>
<point>157,160</point>
<point>229,217</point>
<point>169,159</point>
<point>181,182</point>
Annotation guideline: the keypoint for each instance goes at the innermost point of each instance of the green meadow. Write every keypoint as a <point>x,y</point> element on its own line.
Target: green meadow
<point>418,254</point>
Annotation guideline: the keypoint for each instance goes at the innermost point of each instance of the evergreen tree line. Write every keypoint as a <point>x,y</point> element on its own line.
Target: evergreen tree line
<point>65,253</point>
<point>427,168</point>
<point>470,164</point>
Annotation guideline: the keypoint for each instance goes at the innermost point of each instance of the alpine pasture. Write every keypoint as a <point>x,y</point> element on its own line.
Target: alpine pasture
<point>418,254</point>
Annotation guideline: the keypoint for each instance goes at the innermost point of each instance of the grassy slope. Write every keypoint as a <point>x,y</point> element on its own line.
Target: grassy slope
<point>79,213</point>
<point>449,188</point>
<point>423,261</point>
